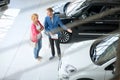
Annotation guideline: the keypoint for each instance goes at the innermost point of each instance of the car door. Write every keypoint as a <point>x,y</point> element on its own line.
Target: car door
<point>109,71</point>
<point>91,10</point>
<point>111,20</point>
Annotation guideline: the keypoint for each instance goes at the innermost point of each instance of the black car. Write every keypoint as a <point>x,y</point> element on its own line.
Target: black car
<point>4,2</point>
<point>82,9</point>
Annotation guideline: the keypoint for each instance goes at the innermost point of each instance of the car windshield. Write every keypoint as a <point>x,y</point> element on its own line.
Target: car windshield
<point>104,50</point>
<point>73,7</point>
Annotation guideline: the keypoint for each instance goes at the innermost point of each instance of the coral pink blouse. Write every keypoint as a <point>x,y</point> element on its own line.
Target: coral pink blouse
<point>35,32</point>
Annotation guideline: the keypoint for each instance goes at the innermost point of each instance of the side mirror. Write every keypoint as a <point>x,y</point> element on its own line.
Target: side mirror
<point>113,71</point>
<point>111,68</point>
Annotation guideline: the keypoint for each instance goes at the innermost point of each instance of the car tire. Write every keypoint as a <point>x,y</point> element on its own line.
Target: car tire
<point>85,79</point>
<point>64,37</point>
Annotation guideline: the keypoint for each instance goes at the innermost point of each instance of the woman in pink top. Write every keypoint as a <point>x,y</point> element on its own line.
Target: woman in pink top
<point>36,35</point>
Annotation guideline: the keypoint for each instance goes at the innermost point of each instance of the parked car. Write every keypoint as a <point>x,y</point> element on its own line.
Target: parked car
<point>4,2</point>
<point>82,9</point>
<point>89,60</point>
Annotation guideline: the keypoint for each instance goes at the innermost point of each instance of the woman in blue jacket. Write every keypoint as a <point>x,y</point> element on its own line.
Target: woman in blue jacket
<point>52,22</point>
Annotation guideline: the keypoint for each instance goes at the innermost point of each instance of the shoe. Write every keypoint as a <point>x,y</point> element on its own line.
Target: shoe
<point>51,58</point>
<point>39,58</point>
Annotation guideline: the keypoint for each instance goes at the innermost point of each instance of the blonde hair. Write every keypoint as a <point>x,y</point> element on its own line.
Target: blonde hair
<point>34,16</point>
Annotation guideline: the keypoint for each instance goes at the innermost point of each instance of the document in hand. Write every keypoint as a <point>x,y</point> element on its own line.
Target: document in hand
<point>54,36</point>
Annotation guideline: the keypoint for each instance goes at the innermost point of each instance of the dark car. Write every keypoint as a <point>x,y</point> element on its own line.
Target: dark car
<point>82,9</point>
<point>4,2</point>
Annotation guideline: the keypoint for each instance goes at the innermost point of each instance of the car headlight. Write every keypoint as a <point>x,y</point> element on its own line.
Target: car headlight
<point>70,69</point>
<point>65,77</point>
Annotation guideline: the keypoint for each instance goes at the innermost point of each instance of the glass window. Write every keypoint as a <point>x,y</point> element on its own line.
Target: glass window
<point>94,9</point>
<point>115,15</point>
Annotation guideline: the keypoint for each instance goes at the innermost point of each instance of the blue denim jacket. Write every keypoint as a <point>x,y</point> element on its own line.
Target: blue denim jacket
<point>51,25</point>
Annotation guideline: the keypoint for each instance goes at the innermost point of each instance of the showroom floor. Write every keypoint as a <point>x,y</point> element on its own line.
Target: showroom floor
<point>16,52</point>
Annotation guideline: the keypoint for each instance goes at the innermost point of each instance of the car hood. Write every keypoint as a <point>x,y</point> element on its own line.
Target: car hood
<point>78,55</point>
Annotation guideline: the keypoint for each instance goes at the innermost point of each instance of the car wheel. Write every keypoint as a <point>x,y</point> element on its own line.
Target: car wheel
<point>65,37</point>
<point>85,79</point>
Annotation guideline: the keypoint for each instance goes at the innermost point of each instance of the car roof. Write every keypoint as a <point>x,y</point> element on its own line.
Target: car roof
<point>104,1</point>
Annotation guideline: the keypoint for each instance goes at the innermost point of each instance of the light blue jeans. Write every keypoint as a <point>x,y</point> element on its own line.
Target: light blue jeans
<point>37,48</point>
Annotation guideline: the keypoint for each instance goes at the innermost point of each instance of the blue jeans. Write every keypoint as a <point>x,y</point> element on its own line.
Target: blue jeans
<point>37,48</point>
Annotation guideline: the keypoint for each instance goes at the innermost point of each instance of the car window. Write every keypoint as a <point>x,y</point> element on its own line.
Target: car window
<point>104,50</point>
<point>112,16</point>
<point>89,11</point>
<point>115,16</point>
<point>94,9</point>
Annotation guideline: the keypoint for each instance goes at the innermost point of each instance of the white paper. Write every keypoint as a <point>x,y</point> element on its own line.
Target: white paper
<point>54,36</point>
